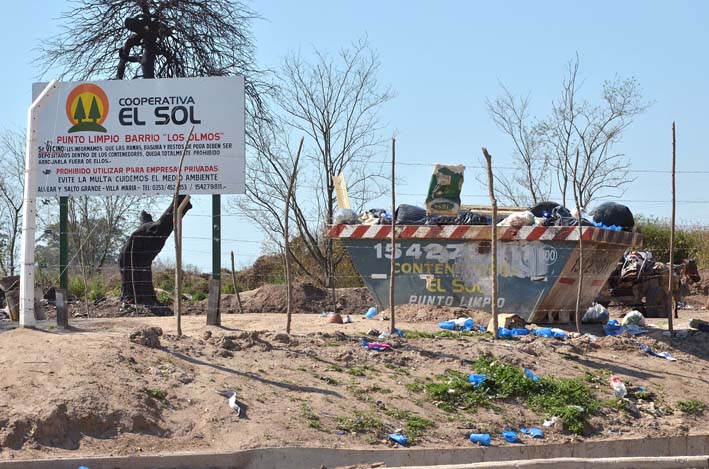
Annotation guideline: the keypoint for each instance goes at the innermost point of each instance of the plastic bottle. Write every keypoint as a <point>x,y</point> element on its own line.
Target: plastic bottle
<point>482,439</point>
<point>371,312</point>
<point>618,387</point>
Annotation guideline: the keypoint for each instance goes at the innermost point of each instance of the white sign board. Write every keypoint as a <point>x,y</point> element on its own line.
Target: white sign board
<point>121,137</point>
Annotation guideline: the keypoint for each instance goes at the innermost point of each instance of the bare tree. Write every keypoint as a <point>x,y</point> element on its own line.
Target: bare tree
<point>530,183</point>
<point>12,186</point>
<point>573,123</point>
<point>156,39</point>
<point>335,101</point>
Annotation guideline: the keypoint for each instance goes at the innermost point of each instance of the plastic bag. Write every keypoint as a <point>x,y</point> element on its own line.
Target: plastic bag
<point>518,219</point>
<point>345,216</point>
<point>613,213</point>
<point>634,317</point>
<point>595,314</point>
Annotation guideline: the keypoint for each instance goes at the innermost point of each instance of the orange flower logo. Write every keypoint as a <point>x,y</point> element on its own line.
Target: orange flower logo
<point>87,108</point>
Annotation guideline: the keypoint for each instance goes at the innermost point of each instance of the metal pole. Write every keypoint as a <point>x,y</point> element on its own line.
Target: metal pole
<point>29,208</point>
<point>493,242</point>
<point>392,324</point>
<point>672,309</point>
<point>63,243</point>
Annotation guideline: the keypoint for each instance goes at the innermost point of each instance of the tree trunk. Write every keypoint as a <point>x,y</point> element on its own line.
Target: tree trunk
<point>136,258</point>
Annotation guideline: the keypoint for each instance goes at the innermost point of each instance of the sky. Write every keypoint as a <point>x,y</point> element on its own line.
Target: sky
<point>443,59</point>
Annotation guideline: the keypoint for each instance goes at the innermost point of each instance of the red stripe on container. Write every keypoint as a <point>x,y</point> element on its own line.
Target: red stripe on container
<point>408,231</point>
<point>509,234</point>
<point>336,230</point>
<point>432,232</point>
<point>360,231</point>
<point>459,232</point>
<point>563,233</point>
<point>567,280</point>
<point>587,234</point>
<point>536,233</point>
<point>598,283</point>
<point>384,232</point>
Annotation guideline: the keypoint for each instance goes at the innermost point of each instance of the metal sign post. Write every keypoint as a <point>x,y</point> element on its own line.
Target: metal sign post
<point>29,209</point>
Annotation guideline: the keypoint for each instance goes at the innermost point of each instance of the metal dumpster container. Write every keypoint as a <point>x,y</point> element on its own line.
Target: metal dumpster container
<point>450,265</point>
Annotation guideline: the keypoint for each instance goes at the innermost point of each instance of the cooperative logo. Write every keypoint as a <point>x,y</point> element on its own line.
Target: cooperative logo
<point>87,108</point>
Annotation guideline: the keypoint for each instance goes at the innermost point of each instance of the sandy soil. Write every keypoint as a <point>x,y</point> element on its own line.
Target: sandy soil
<point>90,390</point>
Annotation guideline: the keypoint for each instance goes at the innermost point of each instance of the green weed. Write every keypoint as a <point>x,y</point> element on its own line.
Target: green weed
<point>691,406</point>
<point>413,425</point>
<point>570,399</point>
<point>157,393</point>
<point>360,422</point>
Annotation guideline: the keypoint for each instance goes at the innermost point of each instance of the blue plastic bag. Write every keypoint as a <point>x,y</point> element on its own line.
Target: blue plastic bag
<point>477,379</point>
<point>510,436</point>
<point>504,332</point>
<point>482,439</point>
<point>518,331</point>
<point>534,432</point>
<point>371,312</point>
<point>530,374</point>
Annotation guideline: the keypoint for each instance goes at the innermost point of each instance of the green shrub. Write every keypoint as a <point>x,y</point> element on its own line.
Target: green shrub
<point>690,242</point>
<point>97,290</point>
<point>692,406</point>
<point>77,287</point>
<point>199,296</point>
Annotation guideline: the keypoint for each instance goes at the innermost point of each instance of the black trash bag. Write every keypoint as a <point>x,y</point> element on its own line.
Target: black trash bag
<point>571,221</point>
<point>465,217</point>
<point>613,213</point>
<point>471,218</point>
<point>410,215</point>
<point>543,209</point>
<point>560,212</point>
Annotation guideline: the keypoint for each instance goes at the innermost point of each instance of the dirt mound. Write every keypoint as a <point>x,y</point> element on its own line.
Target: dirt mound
<point>424,313</point>
<point>147,336</point>
<point>66,423</point>
<point>307,298</point>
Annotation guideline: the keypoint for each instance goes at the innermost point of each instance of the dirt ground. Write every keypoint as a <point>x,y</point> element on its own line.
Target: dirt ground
<point>90,390</point>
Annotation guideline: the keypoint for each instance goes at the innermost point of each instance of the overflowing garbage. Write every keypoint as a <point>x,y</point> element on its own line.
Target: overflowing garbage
<point>609,215</point>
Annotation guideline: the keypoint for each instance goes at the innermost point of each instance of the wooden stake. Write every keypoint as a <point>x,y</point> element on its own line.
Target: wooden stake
<point>233,281</point>
<point>392,320</point>
<point>493,242</point>
<point>577,316</point>
<point>286,236</point>
<point>673,309</point>
<point>177,228</point>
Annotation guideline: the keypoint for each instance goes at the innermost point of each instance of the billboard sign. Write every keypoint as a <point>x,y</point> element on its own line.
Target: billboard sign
<point>121,137</point>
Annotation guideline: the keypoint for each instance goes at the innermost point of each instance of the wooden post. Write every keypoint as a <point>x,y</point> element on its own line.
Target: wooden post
<point>392,323</point>
<point>493,242</point>
<point>577,317</point>
<point>286,236</point>
<point>177,227</point>
<point>214,318</point>
<point>673,309</point>
<point>62,309</point>
<point>233,281</point>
